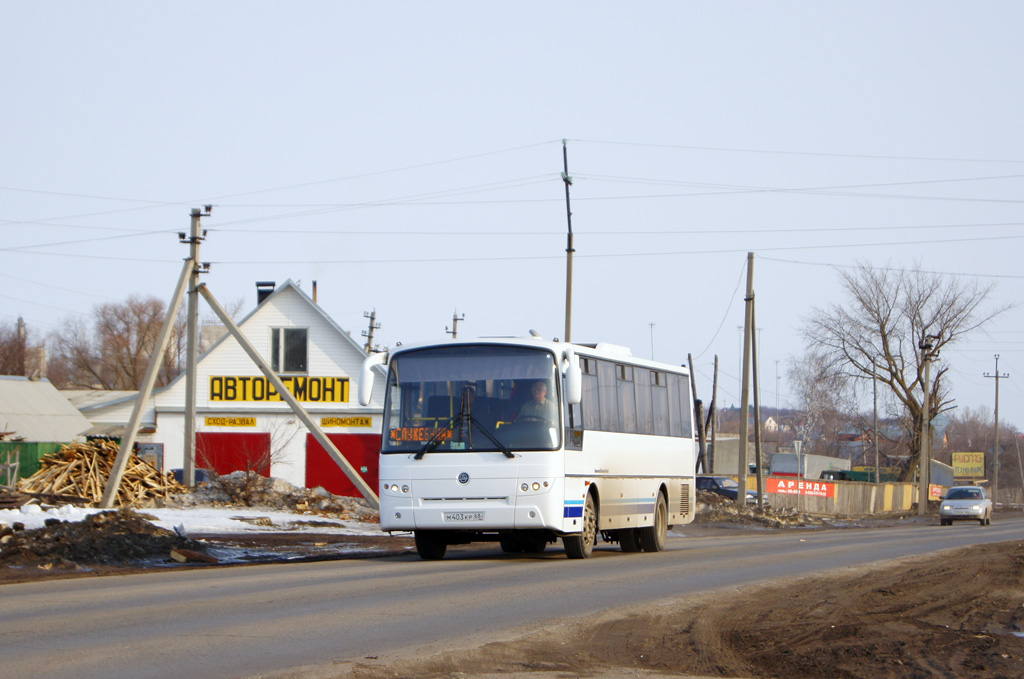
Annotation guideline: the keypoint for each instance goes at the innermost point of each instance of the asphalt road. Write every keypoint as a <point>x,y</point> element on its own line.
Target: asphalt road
<point>263,620</point>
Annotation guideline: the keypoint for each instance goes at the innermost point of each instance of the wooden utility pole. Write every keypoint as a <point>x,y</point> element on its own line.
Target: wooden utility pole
<point>748,329</point>
<point>995,439</point>
<point>567,180</point>
<point>698,413</point>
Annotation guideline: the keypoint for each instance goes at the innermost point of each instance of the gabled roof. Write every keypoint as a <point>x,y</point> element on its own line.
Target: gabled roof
<point>34,411</point>
<point>90,399</point>
<point>288,284</point>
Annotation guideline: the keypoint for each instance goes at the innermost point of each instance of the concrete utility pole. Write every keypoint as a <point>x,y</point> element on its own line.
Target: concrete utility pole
<point>757,409</point>
<point>368,333</point>
<point>192,342</point>
<point>454,332</point>
<point>924,459</point>
<point>995,445</point>
<point>748,330</point>
<point>874,418</point>
<point>568,247</point>
<point>713,418</point>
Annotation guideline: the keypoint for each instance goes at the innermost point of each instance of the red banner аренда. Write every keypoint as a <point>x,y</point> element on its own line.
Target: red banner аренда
<point>801,487</point>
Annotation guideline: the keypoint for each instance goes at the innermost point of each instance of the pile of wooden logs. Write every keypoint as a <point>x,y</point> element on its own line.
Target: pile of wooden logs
<point>80,470</point>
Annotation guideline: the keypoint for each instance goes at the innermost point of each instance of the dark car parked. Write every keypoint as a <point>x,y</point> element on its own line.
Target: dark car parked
<point>726,486</point>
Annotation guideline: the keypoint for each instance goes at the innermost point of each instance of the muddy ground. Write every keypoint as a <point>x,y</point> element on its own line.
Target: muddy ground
<point>923,617</point>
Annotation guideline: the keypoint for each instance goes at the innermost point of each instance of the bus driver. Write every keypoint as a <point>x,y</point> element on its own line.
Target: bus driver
<point>539,408</point>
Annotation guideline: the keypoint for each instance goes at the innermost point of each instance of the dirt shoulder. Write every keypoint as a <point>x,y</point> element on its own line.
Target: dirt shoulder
<point>922,617</point>
<point>957,615</point>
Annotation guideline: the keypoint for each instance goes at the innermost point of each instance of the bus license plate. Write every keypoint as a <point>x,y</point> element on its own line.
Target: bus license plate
<point>463,516</point>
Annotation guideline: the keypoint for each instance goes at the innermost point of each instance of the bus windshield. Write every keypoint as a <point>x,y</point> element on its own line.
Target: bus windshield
<point>472,399</point>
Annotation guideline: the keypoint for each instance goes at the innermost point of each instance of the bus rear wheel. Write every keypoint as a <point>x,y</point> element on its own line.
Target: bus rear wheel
<point>628,540</point>
<point>652,538</point>
<point>581,545</point>
<point>430,545</point>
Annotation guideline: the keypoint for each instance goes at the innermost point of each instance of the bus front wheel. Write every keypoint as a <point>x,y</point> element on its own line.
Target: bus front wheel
<point>581,545</point>
<point>430,545</point>
<point>652,538</point>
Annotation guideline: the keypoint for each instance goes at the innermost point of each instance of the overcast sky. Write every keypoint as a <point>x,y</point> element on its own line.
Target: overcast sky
<point>407,157</point>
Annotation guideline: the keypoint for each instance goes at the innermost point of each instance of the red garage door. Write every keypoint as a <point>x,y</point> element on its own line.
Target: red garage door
<point>360,450</point>
<point>228,452</point>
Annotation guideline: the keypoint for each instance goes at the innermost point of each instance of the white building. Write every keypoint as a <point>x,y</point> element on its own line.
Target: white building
<point>241,422</point>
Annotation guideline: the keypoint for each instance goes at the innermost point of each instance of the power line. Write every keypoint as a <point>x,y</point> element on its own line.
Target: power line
<point>888,268</point>
<point>25,248</point>
<point>660,253</point>
<point>798,153</point>
<point>732,298</point>
<point>742,188</point>
<point>154,204</point>
<point>663,232</point>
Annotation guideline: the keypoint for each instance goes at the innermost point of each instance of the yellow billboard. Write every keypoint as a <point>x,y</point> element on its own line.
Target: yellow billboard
<point>969,465</point>
<point>256,388</point>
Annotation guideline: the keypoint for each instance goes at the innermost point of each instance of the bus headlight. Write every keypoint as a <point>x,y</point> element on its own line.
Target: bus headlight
<point>525,487</point>
<point>536,486</point>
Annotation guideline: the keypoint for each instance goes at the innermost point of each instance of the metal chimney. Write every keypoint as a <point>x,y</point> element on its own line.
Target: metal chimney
<point>264,290</point>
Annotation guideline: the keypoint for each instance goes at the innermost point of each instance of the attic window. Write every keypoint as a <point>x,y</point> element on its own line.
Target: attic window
<point>288,348</point>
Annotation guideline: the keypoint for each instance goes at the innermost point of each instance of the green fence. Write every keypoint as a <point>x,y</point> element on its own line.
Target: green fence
<point>28,454</point>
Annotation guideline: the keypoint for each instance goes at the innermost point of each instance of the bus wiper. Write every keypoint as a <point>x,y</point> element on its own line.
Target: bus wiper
<point>434,441</point>
<point>464,418</point>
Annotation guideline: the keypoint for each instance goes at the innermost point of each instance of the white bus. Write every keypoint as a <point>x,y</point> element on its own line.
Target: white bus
<point>470,453</point>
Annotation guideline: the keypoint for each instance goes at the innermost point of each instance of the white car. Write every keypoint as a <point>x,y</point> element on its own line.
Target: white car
<point>965,503</point>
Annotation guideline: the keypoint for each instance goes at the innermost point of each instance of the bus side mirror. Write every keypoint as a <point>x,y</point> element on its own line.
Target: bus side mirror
<point>366,377</point>
<point>573,378</point>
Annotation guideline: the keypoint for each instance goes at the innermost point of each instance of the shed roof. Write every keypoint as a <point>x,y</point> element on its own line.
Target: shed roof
<point>33,410</point>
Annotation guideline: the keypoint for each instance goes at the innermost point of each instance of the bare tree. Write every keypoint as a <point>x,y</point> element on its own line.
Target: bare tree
<point>114,352</point>
<point>825,395</point>
<point>888,315</point>
<point>13,348</point>
<point>970,429</point>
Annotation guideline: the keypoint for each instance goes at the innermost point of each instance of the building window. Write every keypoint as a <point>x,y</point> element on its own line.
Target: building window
<point>289,350</point>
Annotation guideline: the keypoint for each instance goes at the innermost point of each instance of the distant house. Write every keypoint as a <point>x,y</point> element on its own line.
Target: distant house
<point>35,419</point>
<point>857,443</point>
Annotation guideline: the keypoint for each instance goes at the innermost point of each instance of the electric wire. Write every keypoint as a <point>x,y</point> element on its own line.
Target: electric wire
<point>732,298</point>
<point>821,154</point>
<point>887,268</point>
